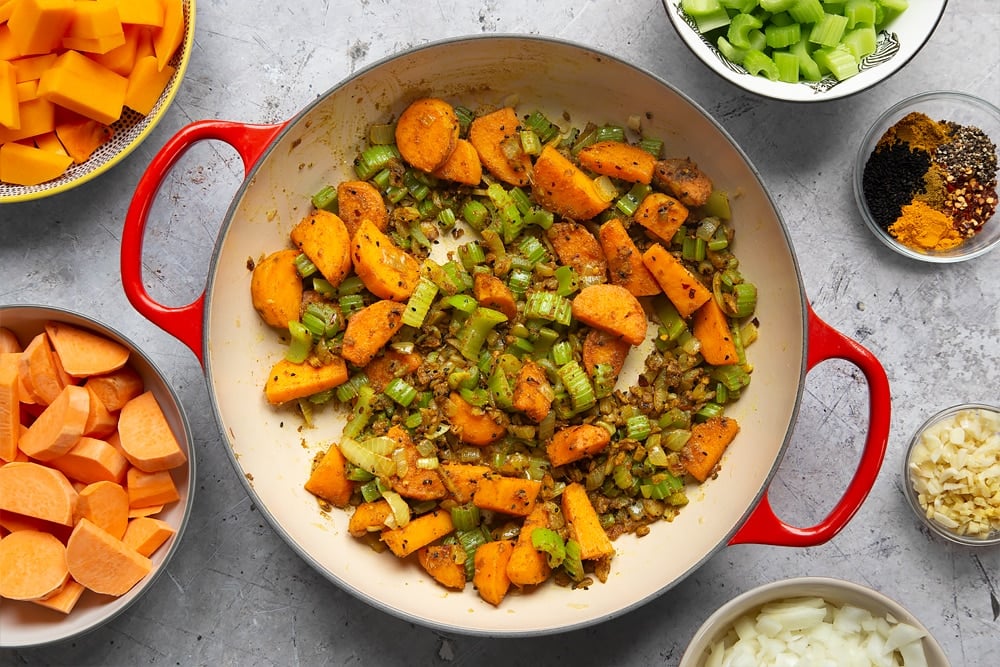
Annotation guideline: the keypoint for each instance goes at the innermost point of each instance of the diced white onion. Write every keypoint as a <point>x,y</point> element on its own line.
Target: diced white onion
<point>797,632</point>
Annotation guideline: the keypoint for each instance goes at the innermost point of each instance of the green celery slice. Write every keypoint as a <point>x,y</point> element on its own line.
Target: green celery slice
<point>788,66</point>
<point>758,62</point>
<point>807,66</point>
<point>859,12</point>
<point>778,37</point>
<point>838,60</point>
<point>860,41</point>
<point>829,30</point>
<point>739,30</point>
<point>807,11</point>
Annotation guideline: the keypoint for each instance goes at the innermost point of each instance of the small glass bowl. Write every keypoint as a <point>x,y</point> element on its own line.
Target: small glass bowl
<point>911,494</point>
<point>953,106</point>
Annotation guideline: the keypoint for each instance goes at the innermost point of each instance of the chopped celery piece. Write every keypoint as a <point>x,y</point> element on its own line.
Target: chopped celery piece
<point>729,51</point>
<point>828,30</point>
<point>744,6</point>
<point>758,62</point>
<point>610,133</point>
<point>474,331</point>
<point>651,145</point>
<point>775,6</point>
<point>890,9</point>
<point>577,384</point>
<point>637,427</point>
<point>807,11</point>
<point>550,543</point>
<point>373,159</point>
<point>300,344</point>
<point>739,30</point>
<point>860,41</point>
<point>807,66</point>
<point>400,391</point>
<point>788,71</point>
<point>304,265</point>
<point>382,133</point>
<point>538,123</point>
<point>838,60</point>
<point>420,302</point>
<point>471,255</point>
<point>475,213</point>
<point>569,282</point>
<point>700,7</point>
<point>860,12</point>
<point>326,199</point>
<point>548,306</point>
<point>778,36</point>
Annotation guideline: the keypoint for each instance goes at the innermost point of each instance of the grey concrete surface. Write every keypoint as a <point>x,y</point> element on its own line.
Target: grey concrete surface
<point>235,594</point>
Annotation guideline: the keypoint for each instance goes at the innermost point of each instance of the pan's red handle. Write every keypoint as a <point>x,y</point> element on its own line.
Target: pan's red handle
<point>184,322</point>
<point>763,526</point>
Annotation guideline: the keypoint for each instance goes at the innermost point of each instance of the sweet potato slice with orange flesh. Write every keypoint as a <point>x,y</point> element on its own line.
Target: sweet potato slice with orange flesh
<point>288,380</point>
<point>100,421</point>
<point>573,443</point>
<point>600,347</point>
<point>83,353</point>
<point>147,489</point>
<point>495,138</point>
<point>276,288</point>
<point>508,495</point>
<point>661,215</point>
<point>426,133</point>
<point>369,329</point>
<point>533,393</point>
<point>462,166</point>
<point>37,491</point>
<point>358,201</point>
<point>490,578</point>
<point>441,561</point>
<point>102,563</point>
<point>146,438</point>
<point>625,265</point>
<point>416,482</point>
<point>106,504</point>
<point>9,341</point>
<point>64,599</point>
<point>92,460</point>
<point>613,309</point>
<point>684,179</point>
<point>146,534</point>
<point>710,326</point>
<point>584,524</point>
<point>708,442</point>
<point>369,518</point>
<point>117,388</point>
<point>684,290</point>
<point>462,479</point>
<point>419,532</point>
<point>32,565</point>
<point>323,237</point>
<point>10,405</point>
<point>529,566</point>
<point>328,479</point>
<point>563,188</point>
<point>576,247</point>
<point>471,425</point>
<point>387,270</point>
<point>618,160</point>
<point>491,292</point>
<point>58,428</point>
<point>389,365</point>
<point>39,370</point>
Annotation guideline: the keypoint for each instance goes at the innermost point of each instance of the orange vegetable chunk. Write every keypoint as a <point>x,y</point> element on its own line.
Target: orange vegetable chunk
<point>10,115</point>
<point>168,38</point>
<point>26,165</point>
<point>141,12</point>
<point>83,352</point>
<point>584,524</point>
<point>60,425</point>
<point>37,117</point>
<point>78,83</point>
<point>81,136</point>
<point>147,440</point>
<point>387,270</point>
<point>562,187</point>
<point>146,534</point>
<point>490,576</point>
<point>106,504</point>
<point>573,443</point>
<point>442,562</point>
<point>618,160</point>
<point>462,479</point>
<point>288,381</point>
<point>704,449</point>
<point>37,26</point>
<point>369,329</point>
<point>426,133</point>
<point>684,290</point>
<point>489,134</point>
<point>146,83</point>
<point>323,237</point>
<point>419,532</point>
<point>612,309</point>
<point>37,491</point>
<point>92,460</point>
<point>103,563</point>
<point>65,599</point>
<point>527,565</point>
<point>710,326</point>
<point>358,201</point>
<point>10,406</point>
<point>39,371</point>
<point>507,495</point>
<point>94,19</point>
<point>146,489</point>
<point>661,215</point>
<point>369,517</point>
<point>117,388</point>
<point>473,426</point>
<point>32,565</point>
<point>328,479</point>
<point>100,422</point>
<point>462,166</point>
<point>625,261</point>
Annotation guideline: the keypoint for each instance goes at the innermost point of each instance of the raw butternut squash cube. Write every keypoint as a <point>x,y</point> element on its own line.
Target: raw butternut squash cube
<point>145,85</point>
<point>171,34</point>
<point>94,44</point>
<point>78,83</point>
<point>95,19</point>
<point>31,67</point>
<point>10,116</point>
<point>38,26</point>
<point>80,137</point>
<point>27,90</point>
<point>121,59</point>
<point>38,116</point>
<point>50,142</point>
<point>7,49</point>
<point>27,165</point>
<point>141,12</point>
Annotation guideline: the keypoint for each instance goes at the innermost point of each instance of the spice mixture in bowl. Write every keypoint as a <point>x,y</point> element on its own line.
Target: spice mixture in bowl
<point>951,477</point>
<point>926,177</point>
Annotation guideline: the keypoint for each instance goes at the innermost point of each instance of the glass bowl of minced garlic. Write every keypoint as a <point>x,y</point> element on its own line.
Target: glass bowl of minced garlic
<point>925,178</point>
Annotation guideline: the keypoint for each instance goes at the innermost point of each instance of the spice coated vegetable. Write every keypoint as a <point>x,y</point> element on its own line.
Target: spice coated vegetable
<point>488,433</point>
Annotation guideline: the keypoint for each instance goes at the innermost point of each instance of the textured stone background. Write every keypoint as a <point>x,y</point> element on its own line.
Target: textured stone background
<point>235,594</point>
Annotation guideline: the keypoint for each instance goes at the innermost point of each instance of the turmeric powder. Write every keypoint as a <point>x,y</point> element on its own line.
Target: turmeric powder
<point>924,228</point>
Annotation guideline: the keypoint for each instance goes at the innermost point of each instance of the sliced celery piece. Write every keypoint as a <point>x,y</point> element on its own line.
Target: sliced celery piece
<point>698,8</point>
<point>788,66</point>
<point>781,19</point>
<point>743,6</point>
<point>860,41</point>
<point>774,6</point>
<point>778,37</point>
<point>739,30</point>
<point>758,62</point>
<point>859,12</point>
<point>807,66</point>
<point>829,30</point>
<point>890,10</point>
<point>729,51</point>
<point>838,60</point>
<point>806,11</point>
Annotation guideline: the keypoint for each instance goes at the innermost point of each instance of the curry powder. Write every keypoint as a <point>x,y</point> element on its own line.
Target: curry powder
<point>920,226</point>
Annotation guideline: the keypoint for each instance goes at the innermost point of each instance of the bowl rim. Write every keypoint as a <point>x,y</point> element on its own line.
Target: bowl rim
<point>881,124</point>
<point>820,586</point>
<point>43,312</point>
<point>726,69</point>
<point>910,492</point>
<point>149,123</point>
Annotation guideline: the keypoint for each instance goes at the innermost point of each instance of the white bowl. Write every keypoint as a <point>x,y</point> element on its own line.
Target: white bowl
<point>897,45</point>
<point>834,591</point>
<point>27,625</point>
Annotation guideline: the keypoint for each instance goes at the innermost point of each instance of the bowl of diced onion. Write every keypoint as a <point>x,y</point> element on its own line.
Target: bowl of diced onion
<point>952,474</point>
<point>813,621</point>
<point>804,50</point>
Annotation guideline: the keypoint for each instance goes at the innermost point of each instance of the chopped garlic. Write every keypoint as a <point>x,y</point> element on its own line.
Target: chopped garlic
<point>955,472</point>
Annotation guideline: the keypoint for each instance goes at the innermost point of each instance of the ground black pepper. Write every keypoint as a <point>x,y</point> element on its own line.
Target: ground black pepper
<point>892,176</point>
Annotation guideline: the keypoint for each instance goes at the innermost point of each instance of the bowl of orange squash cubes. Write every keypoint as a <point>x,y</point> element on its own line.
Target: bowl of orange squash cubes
<point>82,83</point>
<point>96,474</point>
